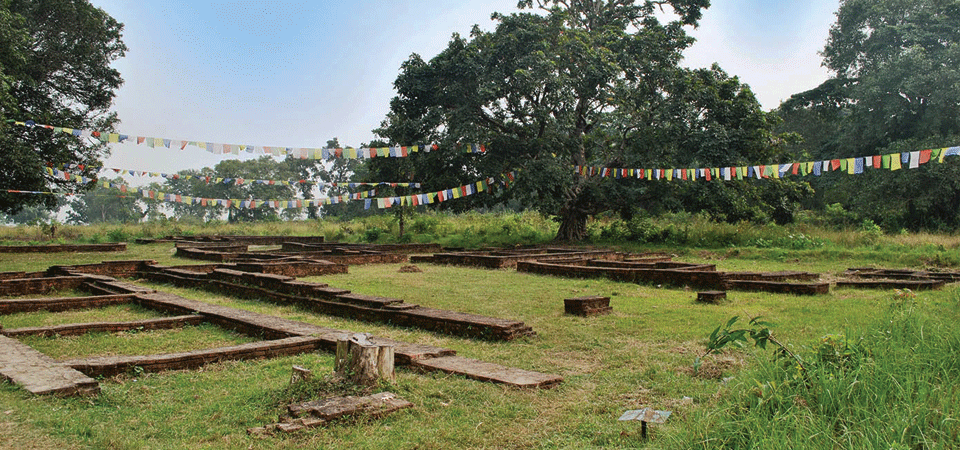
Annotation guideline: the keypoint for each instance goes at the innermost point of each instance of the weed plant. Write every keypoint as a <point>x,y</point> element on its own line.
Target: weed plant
<point>892,387</point>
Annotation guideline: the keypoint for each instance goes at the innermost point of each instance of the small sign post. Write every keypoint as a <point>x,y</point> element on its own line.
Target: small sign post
<point>645,415</point>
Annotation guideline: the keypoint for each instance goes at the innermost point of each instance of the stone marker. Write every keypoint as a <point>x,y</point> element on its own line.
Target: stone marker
<point>713,297</point>
<point>587,306</point>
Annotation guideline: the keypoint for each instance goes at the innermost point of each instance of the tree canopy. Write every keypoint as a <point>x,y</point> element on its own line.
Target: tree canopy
<point>55,58</point>
<point>577,83</point>
<point>896,88</point>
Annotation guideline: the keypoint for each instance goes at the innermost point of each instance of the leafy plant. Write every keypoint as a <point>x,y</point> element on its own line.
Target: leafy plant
<point>758,331</point>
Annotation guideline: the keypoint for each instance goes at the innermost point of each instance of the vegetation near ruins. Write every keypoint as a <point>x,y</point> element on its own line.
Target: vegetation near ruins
<point>878,363</point>
<point>861,171</point>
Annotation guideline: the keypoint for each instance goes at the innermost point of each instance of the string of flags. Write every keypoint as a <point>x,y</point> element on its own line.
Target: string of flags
<point>240,181</point>
<point>236,149</point>
<point>852,166</point>
<point>438,196</point>
<point>67,176</point>
<point>384,202</point>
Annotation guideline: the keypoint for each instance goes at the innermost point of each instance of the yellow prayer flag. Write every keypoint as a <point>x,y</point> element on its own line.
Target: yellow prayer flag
<point>113,138</point>
<point>895,161</point>
<point>851,166</point>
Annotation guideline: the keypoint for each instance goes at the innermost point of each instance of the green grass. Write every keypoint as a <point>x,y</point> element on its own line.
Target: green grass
<point>115,313</point>
<point>135,342</point>
<point>638,356</point>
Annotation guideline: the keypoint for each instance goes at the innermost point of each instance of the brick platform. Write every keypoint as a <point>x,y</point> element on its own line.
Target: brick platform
<point>340,302</point>
<point>587,306</point>
<point>713,297</point>
<point>484,371</point>
<point>281,336</point>
<point>40,374</point>
<point>63,248</point>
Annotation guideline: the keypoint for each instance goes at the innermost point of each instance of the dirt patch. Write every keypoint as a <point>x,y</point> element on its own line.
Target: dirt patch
<point>410,268</point>
<point>714,367</point>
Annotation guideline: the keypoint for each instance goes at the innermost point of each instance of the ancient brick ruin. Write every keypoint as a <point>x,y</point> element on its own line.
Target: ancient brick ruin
<point>64,248</point>
<point>43,375</point>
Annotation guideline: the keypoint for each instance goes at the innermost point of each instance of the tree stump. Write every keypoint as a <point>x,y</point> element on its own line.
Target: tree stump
<point>362,361</point>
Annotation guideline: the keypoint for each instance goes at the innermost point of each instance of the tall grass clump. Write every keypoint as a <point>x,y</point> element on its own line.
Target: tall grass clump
<point>893,387</point>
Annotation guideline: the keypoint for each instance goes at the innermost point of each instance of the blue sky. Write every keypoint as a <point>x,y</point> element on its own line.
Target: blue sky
<point>297,73</point>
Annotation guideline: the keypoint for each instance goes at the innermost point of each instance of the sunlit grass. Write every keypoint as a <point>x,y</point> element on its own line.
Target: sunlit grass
<point>136,342</point>
<point>114,313</point>
<point>638,356</point>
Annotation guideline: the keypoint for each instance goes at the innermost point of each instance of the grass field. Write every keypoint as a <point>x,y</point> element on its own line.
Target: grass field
<point>639,356</point>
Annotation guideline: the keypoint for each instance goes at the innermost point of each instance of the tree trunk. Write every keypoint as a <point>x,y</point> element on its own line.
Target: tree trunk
<point>573,227</point>
<point>364,362</point>
<point>573,215</point>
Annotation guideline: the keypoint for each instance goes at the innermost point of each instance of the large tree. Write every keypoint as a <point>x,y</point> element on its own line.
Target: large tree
<point>55,58</point>
<point>896,88</point>
<point>235,180</point>
<point>580,82</point>
<point>105,206</point>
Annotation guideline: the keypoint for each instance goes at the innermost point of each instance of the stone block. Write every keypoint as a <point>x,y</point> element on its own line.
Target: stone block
<point>587,306</point>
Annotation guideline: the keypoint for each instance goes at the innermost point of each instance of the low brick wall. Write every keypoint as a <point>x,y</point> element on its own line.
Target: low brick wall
<point>504,260</point>
<point>12,275</point>
<point>62,303</point>
<point>33,286</point>
<point>77,329</point>
<point>206,255</point>
<point>675,277</point>
<point>339,302</point>
<point>298,247</point>
<point>64,248</point>
<point>916,285</point>
<point>773,276</point>
<point>120,269</point>
<point>781,287</point>
<point>297,268</point>
<point>250,240</point>
<point>108,366</point>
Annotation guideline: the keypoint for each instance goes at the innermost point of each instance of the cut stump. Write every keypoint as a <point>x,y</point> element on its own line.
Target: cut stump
<point>364,362</point>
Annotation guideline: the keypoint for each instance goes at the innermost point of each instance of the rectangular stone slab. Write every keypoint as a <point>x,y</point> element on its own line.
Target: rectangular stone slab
<point>39,373</point>
<point>375,405</point>
<point>484,371</point>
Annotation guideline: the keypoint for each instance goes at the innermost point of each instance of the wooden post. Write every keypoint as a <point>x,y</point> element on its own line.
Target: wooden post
<point>362,361</point>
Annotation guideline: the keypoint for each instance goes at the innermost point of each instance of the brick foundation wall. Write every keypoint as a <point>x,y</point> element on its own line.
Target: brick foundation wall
<point>64,248</point>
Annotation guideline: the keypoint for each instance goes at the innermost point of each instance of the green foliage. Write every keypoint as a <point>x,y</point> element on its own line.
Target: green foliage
<point>889,388</point>
<point>102,206</point>
<point>582,83</point>
<point>56,61</point>
<point>893,62</point>
<point>723,335</point>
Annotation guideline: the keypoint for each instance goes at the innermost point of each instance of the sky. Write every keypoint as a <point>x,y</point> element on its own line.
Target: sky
<point>298,73</point>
